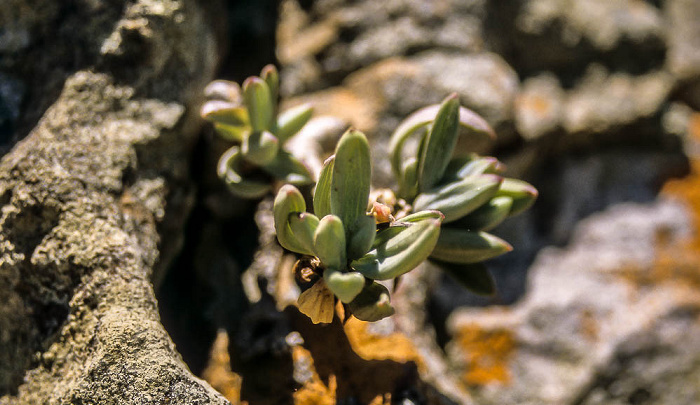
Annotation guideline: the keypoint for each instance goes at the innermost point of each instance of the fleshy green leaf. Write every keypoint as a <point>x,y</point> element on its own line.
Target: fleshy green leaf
<point>288,169</point>
<point>346,286</point>
<point>401,252</point>
<point>459,198</point>
<point>228,171</point>
<point>288,201</point>
<point>351,178</point>
<point>372,304</point>
<point>223,90</point>
<point>292,121</point>
<point>474,167</point>
<point>473,276</point>
<point>408,180</point>
<point>322,193</point>
<point>440,144</point>
<point>258,100</point>
<point>272,78</point>
<point>232,133</point>
<point>487,216</point>
<point>329,242</point>
<point>260,148</point>
<point>469,120</point>
<point>225,112</point>
<point>522,193</point>
<point>421,215</point>
<point>362,234</point>
<point>303,226</point>
<point>461,246</point>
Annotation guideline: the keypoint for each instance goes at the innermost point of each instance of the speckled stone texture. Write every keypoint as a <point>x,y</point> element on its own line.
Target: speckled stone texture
<point>84,195</point>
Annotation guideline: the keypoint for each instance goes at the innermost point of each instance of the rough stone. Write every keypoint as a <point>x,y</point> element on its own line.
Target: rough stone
<point>627,100</point>
<point>83,197</point>
<point>583,319</point>
<point>538,106</point>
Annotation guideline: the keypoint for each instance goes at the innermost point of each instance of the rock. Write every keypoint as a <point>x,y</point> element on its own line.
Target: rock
<point>562,36</point>
<point>683,59</point>
<point>588,328</point>
<point>627,100</point>
<point>484,81</point>
<point>538,107</point>
<point>83,198</point>
<point>321,45</point>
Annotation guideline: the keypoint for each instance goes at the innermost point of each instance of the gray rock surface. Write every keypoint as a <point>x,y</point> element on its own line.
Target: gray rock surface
<point>83,198</point>
<point>591,328</point>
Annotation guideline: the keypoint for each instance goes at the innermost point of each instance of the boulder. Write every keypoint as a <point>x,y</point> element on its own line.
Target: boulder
<point>85,195</point>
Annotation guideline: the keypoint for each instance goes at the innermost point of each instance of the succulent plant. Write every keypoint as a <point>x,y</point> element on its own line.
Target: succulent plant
<point>247,116</point>
<point>469,191</point>
<point>346,252</point>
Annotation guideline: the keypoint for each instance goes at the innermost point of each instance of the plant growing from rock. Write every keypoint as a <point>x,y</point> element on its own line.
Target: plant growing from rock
<point>469,191</point>
<point>247,116</point>
<point>345,253</point>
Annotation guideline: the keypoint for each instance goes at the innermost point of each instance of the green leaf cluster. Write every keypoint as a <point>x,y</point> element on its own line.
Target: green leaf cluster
<point>353,254</point>
<point>469,191</point>
<point>247,116</point>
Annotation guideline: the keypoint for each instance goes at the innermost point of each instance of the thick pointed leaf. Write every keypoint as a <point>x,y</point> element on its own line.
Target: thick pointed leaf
<point>223,90</point>
<point>303,226</point>
<point>474,276</point>
<point>272,78</point>
<point>318,303</point>
<point>522,193</point>
<point>440,144</point>
<point>258,100</point>
<point>232,133</point>
<point>329,242</point>
<point>225,113</point>
<point>260,148</point>
<point>344,285</point>
<point>362,234</point>
<point>372,304</point>
<point>400,253</point>
<point>227,170</point>
<point>408,180</point>
<point>459,198</point>
<point>288,169</point>
<point>351,178</point>
<point>480,165</point>
<point>461,246</point>
<point>384,235</point>
<point>292,121</point>
<point>421,215</point>
<point>322,192</point>
<point>487,216</point>
<point>468,120</point>
<point>288,201</point>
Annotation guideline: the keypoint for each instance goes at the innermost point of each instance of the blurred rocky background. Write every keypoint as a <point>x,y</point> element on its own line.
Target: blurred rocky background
<point>596,103</point>
<point>109,200</point>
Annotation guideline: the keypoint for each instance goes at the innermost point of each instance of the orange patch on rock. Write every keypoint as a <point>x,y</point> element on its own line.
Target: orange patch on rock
<point>314,391</point>
<point>218,371</point>
<point>681,261</point>
<point>487,354</point>
<point>369,346</point>
<point>537,104</point>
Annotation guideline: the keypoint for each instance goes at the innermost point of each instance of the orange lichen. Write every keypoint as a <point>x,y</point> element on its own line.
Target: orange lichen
<point>218,372</point>
<point>314,391</point>
<point>681,261</point>
<point>487,354</point>
<point>369,346</point>
<point>589,325</point>
<point>540,105</point>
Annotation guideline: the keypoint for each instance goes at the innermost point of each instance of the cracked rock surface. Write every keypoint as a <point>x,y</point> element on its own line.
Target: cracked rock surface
<point>84,195</point>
